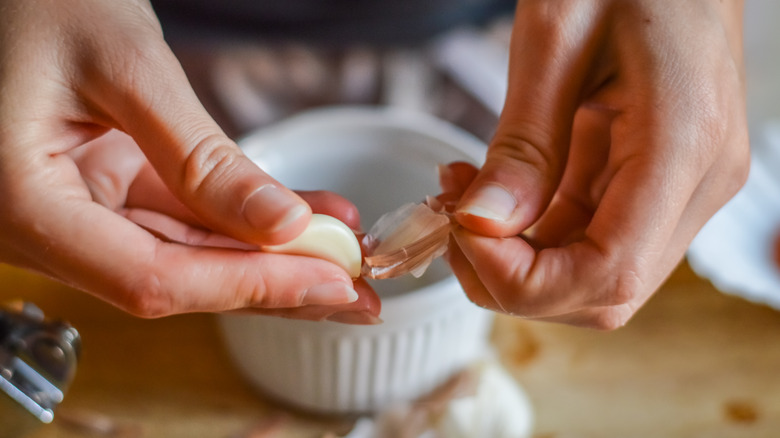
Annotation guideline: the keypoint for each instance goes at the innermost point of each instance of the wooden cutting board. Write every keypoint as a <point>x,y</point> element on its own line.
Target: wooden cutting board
<point>692,363</point>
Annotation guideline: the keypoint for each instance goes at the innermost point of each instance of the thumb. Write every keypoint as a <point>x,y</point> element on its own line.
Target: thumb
<point>527,155</point>
<point>150,98</point>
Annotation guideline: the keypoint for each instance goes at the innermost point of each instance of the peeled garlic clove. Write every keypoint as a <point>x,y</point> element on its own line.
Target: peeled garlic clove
<point>326,238</point>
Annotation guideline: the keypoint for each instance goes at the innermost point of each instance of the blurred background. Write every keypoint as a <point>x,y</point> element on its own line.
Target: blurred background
<point>256,63</point>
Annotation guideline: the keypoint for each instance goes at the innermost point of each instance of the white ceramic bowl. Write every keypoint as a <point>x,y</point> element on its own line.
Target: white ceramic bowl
<point>379,159</point>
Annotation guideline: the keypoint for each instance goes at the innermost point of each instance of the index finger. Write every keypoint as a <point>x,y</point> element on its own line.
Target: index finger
<point>145,93</point>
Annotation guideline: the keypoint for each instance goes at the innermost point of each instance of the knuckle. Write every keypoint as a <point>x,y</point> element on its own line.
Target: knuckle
<point>524,304</point>
<point>259,296</point>
<point>529,292</point>
<point>213,160</point>
<point>609,319</point>
<point>626,290</point>
<point>107,189</point>
<point>720,141</point>
<point>736,175</point>
<point>620,276</point>
<point>483,303</point>
<point>145,297</point>
<point>544,18</point>
<point>524,145</point>
<point>267,292</point>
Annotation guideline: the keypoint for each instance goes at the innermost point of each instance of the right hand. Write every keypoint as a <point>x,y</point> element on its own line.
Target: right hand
<point>73,74</point>
<point>623,132</point>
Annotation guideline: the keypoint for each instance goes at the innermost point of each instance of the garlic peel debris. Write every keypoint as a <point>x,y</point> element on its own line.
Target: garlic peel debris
<point>500,408</point>
<point>325,238</point>
<point>484,400</point>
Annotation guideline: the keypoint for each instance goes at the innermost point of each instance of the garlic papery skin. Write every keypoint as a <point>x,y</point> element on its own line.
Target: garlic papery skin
<point>404,241</point>
<point>500,408</point>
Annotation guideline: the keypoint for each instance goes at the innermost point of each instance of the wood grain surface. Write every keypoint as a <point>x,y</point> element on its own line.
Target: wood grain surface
<point>692,363</point>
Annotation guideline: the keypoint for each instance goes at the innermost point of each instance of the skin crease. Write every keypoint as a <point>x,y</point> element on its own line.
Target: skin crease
<point>74,78</point>
<point>624,131</point>
<point>632,136</point>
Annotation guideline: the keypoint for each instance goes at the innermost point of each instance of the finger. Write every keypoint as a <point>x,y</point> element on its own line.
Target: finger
<point>15,258</point>
<point>108,165</point>
<point>364,311</point>
<point>554,281</point>
<point>332,204</point>
<point>151,204</point>
<point>169,229</point>
<point>455,177</point>
<point>148,277</point>
<point>598,318</point>
<point>550,66</point>
<point>469,279</point>
<point>150,98</point>
<point>149,192</point>
<point>120,178</point>
<point>583,183</point>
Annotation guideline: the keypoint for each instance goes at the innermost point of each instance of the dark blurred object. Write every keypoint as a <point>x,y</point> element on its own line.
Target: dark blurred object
<point>458,76</point>
<point>38,360</point>
<point>334,21</point>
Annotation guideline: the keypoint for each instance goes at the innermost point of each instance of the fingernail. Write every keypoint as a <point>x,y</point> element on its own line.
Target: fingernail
<point>272,209</point>
<point>330,293</point>
<point>355,318</point>
<point>491,201</point>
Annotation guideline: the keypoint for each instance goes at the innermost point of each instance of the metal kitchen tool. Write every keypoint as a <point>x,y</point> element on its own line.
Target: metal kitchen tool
<point>38,360</point>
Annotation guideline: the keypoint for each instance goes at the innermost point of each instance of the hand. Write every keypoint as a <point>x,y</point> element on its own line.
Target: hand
<point>74,74</point>
<point>623,132</point>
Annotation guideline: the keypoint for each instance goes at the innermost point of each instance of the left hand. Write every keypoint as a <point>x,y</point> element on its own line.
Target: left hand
<point>137,193</point>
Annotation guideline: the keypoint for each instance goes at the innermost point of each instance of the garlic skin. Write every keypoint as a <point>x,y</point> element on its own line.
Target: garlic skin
<point>498,409</point>
<point>405,240</point>
<point>483,401</point>
<point>325,238</point>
